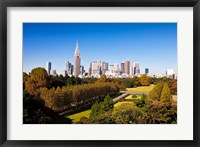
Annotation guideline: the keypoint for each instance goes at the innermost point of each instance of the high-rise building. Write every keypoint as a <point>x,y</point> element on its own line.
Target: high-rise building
<point>69,68</point>
<point>122,67</point>
<point>95,68</point>
<point>82,69</point>
<point>146,71</point>
<point>103,67</point>
<point>48,67</point>
<point>131,68</point>
<point>77,61</point>
<point>127,67</point>
<point>136,68</point>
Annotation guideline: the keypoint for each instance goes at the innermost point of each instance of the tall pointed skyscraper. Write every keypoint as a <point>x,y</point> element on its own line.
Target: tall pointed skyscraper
<point>77,61</point>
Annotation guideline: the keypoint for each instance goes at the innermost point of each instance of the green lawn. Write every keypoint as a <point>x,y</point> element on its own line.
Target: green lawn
<point>130,97</point>
<point>77,116</point>
<point>141,89</point>
<point>123,102</point>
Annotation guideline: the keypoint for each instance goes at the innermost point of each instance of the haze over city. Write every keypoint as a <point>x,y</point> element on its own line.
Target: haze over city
<point>153,45</point>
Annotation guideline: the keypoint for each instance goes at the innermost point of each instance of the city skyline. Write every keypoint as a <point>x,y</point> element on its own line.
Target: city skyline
<point>38,49</point>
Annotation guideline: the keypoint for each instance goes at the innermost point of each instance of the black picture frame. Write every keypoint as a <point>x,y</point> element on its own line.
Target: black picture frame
<point>4,4</point>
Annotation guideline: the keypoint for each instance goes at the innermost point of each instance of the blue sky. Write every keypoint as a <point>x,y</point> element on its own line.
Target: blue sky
<point>153,45</point>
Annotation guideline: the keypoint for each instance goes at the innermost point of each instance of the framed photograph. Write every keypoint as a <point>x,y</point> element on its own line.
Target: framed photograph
<point>99,73</point>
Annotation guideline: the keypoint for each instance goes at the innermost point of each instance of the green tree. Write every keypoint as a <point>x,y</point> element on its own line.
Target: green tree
<point>107,103</point>
<point>136,81</point>
<point>126,113</point>
<point>96,110</point>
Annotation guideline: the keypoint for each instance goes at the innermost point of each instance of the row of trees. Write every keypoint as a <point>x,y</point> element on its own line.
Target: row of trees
<point>39,75</point>
<point>161,92</point>
<point>77,96</point>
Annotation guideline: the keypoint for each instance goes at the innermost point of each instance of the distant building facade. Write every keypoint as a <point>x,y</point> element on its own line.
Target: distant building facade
<point>82,69</point>
<point>122,68</point>
<point>53,72</point>
<point>146,71</point>
<point>127,67</point>
<point>136,68</point>
<point>69,68</point>
<point>48,67</point>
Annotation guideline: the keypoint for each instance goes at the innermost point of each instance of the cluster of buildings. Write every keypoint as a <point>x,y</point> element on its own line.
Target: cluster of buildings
<point>124,70</point>
<point>98,68</point>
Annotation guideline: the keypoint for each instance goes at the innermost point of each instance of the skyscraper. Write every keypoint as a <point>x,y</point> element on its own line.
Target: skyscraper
<point>69,68</point>
<point>82,69</point>
<point>127,67</point>
<point>131,68</point>
<point>136,68</point>
<point>104,67</point>
<point>48,67</point>
<point>146,71</point>
<point>77,61</point>
<point>122,67</point>
<point>95,68</point>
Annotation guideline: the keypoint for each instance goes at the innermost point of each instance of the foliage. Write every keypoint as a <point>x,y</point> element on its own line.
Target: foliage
<point>101,112</point>
<point>38,79</point>
<point>136,81</point>
<point>155,93</point>
<point>165,94</point>
<point>140,102</point>
<point>25,78</point>
<point>161,112</point>
<point>173,87</point>
<point>144,80</point>
<point>128,83</point>
<point>102,79</point>
<point>34,112</point>
<point>108,103</point>
<point>78,95</point>
<point>126,113</point>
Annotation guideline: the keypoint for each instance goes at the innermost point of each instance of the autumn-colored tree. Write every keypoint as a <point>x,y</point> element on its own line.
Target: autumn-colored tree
<point>38,79</point>
<point>25,78</point>
<point>144,80</point>
<point>173,86</point>
<point>102,79</point>
<point>155,93</point>
<point>165,94</point>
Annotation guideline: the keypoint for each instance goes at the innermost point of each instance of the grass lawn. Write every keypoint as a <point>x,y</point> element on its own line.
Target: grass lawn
<point>141,89</point>
<point>77,116</point>
<point>130,97</point>
<point>123,102</point>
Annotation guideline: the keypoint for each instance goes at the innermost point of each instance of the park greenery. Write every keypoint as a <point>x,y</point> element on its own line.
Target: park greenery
<point>58,99</point>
